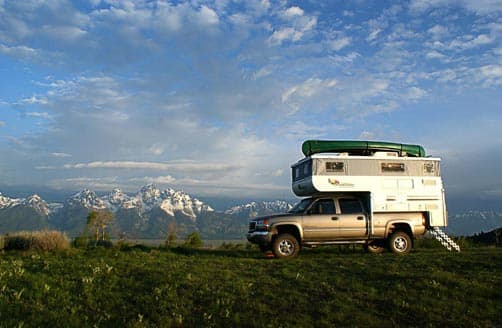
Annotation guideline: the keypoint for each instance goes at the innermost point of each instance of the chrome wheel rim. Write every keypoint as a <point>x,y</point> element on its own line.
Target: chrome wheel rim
<point>286,247</point>
<point>400,244</point>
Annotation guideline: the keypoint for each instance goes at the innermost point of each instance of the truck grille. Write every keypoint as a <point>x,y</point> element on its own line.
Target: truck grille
<point>252,226</point>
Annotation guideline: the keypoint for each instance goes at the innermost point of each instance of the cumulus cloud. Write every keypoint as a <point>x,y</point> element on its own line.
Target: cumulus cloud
<point>293,11</point>
<point>301,26</point>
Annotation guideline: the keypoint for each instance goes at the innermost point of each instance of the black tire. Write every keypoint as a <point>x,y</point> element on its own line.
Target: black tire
<point>285,246</point>
<point>375,246</point>
<point>400,243</point>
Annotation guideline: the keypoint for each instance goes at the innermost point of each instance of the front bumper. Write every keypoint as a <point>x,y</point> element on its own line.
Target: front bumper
<point>259,237</point>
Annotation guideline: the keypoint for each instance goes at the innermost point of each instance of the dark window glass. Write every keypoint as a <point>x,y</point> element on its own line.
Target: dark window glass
<point>323,206</point>
<point>302,170</point>
<point>350,206</point>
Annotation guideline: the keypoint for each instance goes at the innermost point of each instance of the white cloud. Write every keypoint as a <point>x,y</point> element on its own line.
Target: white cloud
<point>421,6</point>
<point>207,16</point>
<point>483,6</point>
<point>158,180</point>
<point>308,88</point>
<point>178,166</point>
<point>435,55</point>
<point>340,43</point>
<point>60,155</point>
<point>300,130</point>
<point>469,42</point>
<point>231,86</point>
<point>438,32</point>
<point>373,34</point>
<point>23,52</point>
<point>156,149</point>
<point>491,75</point>
<point>44,115</point>
<point>64,33</point>
<point>478,6</point>
<point>35,100</point>
<point>292,12</point>
<point>295,33</point>
<point>415,93</point>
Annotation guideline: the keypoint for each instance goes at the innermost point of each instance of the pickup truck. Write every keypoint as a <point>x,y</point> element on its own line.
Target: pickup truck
<point>336,219</point>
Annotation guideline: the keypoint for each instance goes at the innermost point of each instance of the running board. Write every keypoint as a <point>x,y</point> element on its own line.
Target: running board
<point>444,239</point>
<point>344,242</point>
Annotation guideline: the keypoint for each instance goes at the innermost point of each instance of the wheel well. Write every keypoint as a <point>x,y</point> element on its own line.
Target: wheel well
<point>291,229</point>
<point>404,227</point>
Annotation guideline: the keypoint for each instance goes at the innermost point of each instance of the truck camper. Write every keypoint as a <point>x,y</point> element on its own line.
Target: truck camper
<point>378,194</point>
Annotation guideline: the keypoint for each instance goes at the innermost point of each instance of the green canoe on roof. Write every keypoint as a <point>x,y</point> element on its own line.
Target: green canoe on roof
<point>311,147</point>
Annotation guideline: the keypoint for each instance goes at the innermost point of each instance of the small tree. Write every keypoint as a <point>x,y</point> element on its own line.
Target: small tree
<point>193,240</point>
<point>98,222</point>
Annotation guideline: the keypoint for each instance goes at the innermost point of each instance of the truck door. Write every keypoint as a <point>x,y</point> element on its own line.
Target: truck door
<point>319,221</point>
<point>352,219</point>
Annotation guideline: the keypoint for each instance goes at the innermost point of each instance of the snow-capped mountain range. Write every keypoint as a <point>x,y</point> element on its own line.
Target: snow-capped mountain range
<point>144,213</point>
<point>34,201</point>
<point>254,209</point>
<point>149,197</point>
<point>147,212</point>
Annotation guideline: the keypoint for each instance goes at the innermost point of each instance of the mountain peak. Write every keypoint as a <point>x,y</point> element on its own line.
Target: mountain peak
<point>87,198</point>
<point>254,209</point>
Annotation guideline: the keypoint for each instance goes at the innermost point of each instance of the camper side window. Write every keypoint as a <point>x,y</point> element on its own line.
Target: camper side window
<point>393,167</point>
<point>334,167</point>
<point>429,168</point>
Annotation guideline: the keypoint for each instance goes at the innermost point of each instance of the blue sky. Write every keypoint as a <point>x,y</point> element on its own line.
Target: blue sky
<point>216,97</point>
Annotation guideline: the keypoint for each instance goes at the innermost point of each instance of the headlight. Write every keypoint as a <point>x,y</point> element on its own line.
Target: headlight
<point>262,224</point>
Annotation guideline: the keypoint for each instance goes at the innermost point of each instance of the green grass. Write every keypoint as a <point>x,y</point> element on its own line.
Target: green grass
<point>324,287</point>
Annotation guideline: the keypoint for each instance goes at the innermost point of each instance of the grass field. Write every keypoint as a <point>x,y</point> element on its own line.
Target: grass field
<point>325,287</point>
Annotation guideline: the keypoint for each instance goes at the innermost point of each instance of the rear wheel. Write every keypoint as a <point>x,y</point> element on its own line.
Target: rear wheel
<point>375,246</point>
<point>400,243</point>
<point>285,246</point>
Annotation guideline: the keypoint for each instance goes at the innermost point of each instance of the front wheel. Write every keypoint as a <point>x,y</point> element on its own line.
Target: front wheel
<point>285,246</point>
<point>400,243</point>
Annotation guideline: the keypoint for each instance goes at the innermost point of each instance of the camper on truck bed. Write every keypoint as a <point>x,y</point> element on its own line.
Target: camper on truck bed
<point>378,194</point>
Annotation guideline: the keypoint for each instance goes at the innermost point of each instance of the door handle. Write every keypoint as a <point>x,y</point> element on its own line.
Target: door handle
<point>360,218</point>
<point>334,218</point>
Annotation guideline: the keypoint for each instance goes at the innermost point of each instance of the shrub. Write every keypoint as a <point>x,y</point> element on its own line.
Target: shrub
<point>45,240</point>
<point>193,240</point>
<point>81,242</point>
<point>1,242</point>
<point>104,243</point>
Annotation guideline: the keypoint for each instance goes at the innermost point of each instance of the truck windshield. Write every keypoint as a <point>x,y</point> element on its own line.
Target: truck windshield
<point>301,206</point>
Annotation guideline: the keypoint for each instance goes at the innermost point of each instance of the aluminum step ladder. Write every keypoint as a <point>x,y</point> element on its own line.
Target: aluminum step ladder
<point>444,239</point>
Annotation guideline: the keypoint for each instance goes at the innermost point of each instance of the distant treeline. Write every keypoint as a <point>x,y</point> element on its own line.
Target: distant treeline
<point>493,237</point>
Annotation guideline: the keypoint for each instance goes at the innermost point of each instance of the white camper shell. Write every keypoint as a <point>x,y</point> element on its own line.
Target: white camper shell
<point>395,183</point>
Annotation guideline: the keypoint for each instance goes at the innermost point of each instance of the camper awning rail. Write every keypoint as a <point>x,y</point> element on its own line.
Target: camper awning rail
<point>311,147</point>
